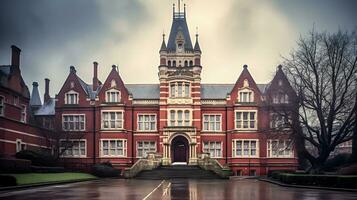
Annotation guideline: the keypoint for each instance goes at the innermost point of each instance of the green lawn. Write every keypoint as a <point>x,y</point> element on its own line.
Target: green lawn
<point>33,178</point>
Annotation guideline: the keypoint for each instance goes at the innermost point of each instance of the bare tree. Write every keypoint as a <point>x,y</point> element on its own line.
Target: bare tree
<point>322,70</point>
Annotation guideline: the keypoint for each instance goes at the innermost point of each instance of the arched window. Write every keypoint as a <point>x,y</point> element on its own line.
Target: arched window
<point>174,63</point>
<point>186,63</point>
<point>169,63</point>
<point>191,63</point>
<point>112,96</point>
<point>71,97</point>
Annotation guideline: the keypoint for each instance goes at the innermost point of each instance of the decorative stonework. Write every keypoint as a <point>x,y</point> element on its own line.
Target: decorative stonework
<point>179,101</point>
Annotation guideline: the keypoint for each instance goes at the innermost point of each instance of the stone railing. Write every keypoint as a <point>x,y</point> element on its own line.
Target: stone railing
<point>152,161</point>
<point>208,163</point>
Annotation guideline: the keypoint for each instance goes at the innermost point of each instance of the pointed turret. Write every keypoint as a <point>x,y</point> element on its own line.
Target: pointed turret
<point>179,38</point>
<point>163,44</point>
<point>35,101</point>
<point>197,47</point>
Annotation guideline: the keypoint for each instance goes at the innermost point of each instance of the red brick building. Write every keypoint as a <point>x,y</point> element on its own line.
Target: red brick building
<point>179,117</point>
<point>19,129</point>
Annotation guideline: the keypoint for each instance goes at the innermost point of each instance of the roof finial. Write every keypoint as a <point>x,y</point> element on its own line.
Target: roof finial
<point>196,32</point>
<point>163,35</point>
<point>179,5</point>
<point>184,10</point>
<point>173,10</point>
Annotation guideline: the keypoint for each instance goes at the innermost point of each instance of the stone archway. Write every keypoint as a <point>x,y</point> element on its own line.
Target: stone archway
<point>179,149</point>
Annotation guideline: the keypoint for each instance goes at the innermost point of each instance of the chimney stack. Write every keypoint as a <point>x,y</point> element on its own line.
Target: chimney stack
<point>95,76</point>
<point>15,58</point>
<point>47,91</point>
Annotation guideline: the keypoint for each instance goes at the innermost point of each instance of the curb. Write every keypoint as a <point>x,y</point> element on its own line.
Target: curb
<point>306,187</point>
<point>21,187</point>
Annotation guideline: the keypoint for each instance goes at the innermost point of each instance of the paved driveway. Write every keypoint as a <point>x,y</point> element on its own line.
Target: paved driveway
<point>175,189</point>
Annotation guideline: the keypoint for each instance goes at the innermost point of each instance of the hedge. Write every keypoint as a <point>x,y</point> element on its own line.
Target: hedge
<point>37,158</point>
<point>15,165</point>
<point>317,180</point>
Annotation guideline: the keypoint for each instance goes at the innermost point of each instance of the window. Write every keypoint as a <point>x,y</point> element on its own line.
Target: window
<point>280,98</point>
<point>280,149</point>
<point>245,148</point>
<point>212,122</point>
<point>112,120</point>
<point>246,96</point>
<point>143,147</point>
<point>73,122</point>
<point>71,97</point>
<point>112,96</point>
<point>180,118</point>
<point>2,106</point>
<point>246,120</point>
<point>146,122</point>
<point>23,113</point>
<point>179,89</point>
<point>213,148</point>
<point>278,121</point>
<point>20,145</point>
<point>73,148</point>
<point>113,148</point>
<point>16,100</point>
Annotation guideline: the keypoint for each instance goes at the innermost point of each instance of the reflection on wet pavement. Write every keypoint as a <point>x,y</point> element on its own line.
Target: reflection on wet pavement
<point>175,189</point>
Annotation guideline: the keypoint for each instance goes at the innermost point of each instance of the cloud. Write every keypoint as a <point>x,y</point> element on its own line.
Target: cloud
<point>56,34</point>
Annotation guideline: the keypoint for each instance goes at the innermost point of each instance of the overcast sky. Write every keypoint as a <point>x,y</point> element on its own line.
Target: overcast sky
<point>56,34</point>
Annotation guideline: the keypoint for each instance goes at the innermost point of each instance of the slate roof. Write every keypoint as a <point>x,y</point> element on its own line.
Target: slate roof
<point>208,91</point>
<point>179,24</point>
<point>144,91</point>
<point>89,89</point>
<point>48,108</point>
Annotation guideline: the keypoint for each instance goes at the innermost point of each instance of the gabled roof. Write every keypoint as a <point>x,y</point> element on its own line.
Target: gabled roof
<point>89,88</point>
<point>179,24</point>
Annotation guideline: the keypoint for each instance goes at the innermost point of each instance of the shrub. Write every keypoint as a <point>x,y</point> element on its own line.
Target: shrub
<point>15,165</point>
<point>6,180</point>
<point>105,170</point>
<point>37,158</point>
<point>333,163</point>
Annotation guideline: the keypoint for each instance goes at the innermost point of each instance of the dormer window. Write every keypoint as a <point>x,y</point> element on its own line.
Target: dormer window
<point>112,96</point>
<point>71,97</point>
<point>245,94</point>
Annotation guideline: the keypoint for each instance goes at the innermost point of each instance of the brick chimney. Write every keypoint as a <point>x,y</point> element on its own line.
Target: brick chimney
<point>15,59</point>
<point>95,76</point>
<point>47,91</point>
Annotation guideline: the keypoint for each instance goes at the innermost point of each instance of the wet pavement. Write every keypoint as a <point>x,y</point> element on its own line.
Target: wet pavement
<point>248,189</point>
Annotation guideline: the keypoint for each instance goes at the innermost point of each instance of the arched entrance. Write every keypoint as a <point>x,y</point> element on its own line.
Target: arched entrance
<point>179,149</point>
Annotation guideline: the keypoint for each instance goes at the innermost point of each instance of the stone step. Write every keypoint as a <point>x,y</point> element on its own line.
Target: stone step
<point>177,171</point>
